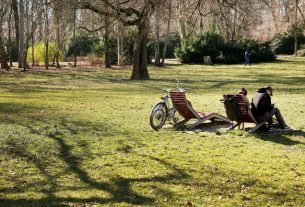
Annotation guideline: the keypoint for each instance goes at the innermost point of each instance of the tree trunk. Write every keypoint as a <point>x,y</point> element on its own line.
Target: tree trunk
<point>120,35</point>
<point>3,56</point>
<point>120,43</point>
<point>57,41</point>
<point>21,34</point>
<point>32,39</point>
<point>182,24</point>
<point>10,38</point>
<point>16,18</point>
<point>106,42</point>
<point>54,60</point>
<point>26,36</point>
<point>74,35</point>
<point>40,28</point>
<point>46,36</point>
<point>140,71</point>
<point>296,29</point>
<point>167,33</point>
<point>157,40</point>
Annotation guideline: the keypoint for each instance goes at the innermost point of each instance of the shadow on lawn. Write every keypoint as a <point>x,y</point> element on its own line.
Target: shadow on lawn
<point>119,189</point>
<point>299,61</point>
<point>283,138</point>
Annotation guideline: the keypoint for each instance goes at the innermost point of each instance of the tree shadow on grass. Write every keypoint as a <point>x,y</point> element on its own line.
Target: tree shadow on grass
<point>283,137</point>
<point>119,189</point>
<point>299,61</point>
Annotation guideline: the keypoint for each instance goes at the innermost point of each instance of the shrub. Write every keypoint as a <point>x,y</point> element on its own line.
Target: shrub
<point>129,42</point>
<point>283,43</point>
<point>232,52</point>
<point>82,45</point>
<point>14,49</point>
<point>112,46</point>
<point>194,48</point>
<point>40,52</point>
<point>260,52</point>
<point>128,45</point>
<point>173,42</point>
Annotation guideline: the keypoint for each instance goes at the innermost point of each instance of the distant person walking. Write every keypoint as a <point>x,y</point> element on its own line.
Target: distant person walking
<point>247,58</point>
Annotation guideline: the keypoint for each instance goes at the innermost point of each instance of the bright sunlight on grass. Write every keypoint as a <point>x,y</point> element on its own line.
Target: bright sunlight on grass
<point>82,138</point>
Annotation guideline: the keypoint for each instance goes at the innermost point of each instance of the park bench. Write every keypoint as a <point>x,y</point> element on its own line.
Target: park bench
<point>185,109</point>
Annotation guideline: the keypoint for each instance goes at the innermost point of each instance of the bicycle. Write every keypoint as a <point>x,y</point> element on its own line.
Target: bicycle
<point>162,110</point>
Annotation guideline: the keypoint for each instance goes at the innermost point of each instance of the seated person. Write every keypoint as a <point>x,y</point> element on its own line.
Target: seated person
<point>244,92</point>
<point>263,110</point>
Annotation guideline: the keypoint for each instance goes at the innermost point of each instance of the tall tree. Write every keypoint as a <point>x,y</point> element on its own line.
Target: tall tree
<point>3,54</point>
<point>106,42</point>
<point>169,7</point>
<point>58,5</point>
<point>296,29</point>
<point>131,13</point>
<point>16,21</point>
<point>182,19</point>
<point>32,37</point>
<point>157,37</point>
<point>119,34</point>
<point>74,33</point>
<point>10,49</point>
<point>46,4</point>
<point>22,57</point>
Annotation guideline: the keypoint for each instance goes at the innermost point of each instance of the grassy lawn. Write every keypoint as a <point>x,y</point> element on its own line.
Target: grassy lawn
<point>82,138</point>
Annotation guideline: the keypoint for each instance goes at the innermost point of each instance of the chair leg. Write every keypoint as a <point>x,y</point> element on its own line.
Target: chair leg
<point>181,123</point>
<point>233,126</point>
<point>193,125</point>
<point>254,129</point>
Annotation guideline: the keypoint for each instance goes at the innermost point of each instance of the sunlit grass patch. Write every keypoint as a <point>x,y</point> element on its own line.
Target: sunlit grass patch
<point>82,137</point>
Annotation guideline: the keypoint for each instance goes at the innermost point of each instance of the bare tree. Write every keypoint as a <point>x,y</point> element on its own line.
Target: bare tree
<point>16,21</point>
<point>74,32</point>
<point>106,42</point>
<point>136,13</point>
<point>58,6</point>
<point>157,37</point>
<point>182,19</point>
<point>22,34</point>
<point>169,7</point>
<point>46,34</point>
<point>10,36</point>
<point>296,29</point>
<point>120,32</point>
<point>3,56</point>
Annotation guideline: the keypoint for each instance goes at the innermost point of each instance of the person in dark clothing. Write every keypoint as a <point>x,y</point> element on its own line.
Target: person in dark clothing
<point>263,110</point>
<point>247,58</point>
<point>244,92</point>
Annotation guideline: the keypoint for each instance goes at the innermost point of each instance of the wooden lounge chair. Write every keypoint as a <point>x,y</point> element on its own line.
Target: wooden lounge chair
<point>185,109</point>
<point>239,112</point>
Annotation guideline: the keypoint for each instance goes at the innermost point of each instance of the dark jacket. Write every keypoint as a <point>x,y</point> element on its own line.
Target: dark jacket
<point>261,103</point>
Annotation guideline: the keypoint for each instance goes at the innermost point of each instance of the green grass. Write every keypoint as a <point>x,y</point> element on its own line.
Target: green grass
<point>82,138</point>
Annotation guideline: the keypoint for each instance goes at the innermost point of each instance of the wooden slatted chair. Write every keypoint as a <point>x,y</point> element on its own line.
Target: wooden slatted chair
<point>240,113</point>
<point>185,109</point>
